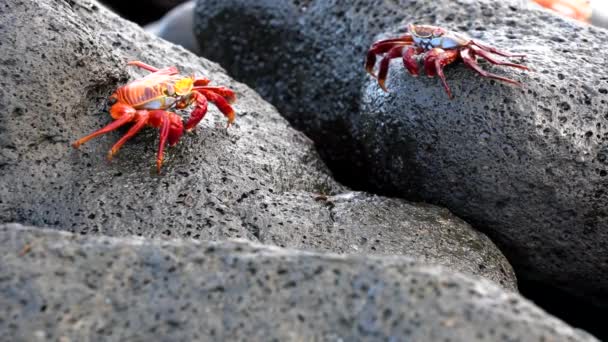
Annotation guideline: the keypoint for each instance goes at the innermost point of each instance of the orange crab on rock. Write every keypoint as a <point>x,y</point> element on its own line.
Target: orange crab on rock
<point>146,101</point>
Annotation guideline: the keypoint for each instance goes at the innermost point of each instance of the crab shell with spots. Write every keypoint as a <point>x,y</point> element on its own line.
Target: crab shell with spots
<point>438,47</point>
<point>147,102</point>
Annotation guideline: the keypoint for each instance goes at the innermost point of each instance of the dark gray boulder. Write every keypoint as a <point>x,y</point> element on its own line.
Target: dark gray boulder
<point>260,180</point>
<point>61,286</point>
<point>528,166</point>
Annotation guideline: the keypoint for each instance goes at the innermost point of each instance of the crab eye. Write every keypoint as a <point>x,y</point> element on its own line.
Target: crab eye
<point>438,32</point>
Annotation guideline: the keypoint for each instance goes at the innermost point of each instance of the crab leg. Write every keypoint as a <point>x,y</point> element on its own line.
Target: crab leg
<point>429,62</point>
<point>495,50</point>
<point>112,126</point>
<point>139,124</point>
<point>444,58</point>
<point>408,59</point>
<point>160,118</point>
<point>166,71</point>
<point>469,61</point>
<point>493,60</point>
<point>395,52</point>
<point>384,46</point>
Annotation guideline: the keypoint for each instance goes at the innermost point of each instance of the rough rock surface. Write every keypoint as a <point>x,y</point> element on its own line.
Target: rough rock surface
<point>59,286</point>
<point>528,166</point>
<point>261,180</point>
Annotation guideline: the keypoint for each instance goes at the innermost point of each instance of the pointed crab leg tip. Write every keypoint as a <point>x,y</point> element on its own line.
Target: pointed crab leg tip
<point>76,144</point>
<point>159,164</point>
<point>382,85</point>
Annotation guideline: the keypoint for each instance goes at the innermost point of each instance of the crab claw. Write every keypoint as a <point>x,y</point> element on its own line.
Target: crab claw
<point>220,96</point>
<point>385,63</point>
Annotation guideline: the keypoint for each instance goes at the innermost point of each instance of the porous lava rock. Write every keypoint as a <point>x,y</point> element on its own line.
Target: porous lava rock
<point>61,286</point>
<point>528,166</point>
<point>260,179</point>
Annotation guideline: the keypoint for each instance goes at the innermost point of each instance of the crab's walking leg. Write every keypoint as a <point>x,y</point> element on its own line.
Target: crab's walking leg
<point>165,71</point>
<point>465,54</point>
<point>160,118</point>
<point>496,51</point>
<point>142,119</point>
<point>429,62</point>
<point>408,59</point>
<point>112,126</point>
<point>444,58</point>
<point>395,52</point>
<point>493,60</point>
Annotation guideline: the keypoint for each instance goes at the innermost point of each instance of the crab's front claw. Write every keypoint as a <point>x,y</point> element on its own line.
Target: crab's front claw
<point>370,62</point>
<point>220,96</point>
<point>176,129</point>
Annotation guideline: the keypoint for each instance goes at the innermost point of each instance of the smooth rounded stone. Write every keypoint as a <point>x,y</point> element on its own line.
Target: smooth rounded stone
<point>59,286</point>
<point>176,26</point>
<point>529,165</point>
<point>55,93</point>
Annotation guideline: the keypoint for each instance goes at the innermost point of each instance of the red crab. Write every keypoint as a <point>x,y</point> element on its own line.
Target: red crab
<point>146,101</point>
<point>440,48</point>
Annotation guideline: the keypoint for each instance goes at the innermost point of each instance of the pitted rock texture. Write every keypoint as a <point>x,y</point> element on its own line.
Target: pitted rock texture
<point>59,286</point>
<point>260,180</point>
<point>528,166</point>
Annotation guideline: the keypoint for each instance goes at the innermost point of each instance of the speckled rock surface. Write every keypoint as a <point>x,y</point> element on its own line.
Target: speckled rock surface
<point>58,286</point>
<point>261,180</point>
<point>528,166</point>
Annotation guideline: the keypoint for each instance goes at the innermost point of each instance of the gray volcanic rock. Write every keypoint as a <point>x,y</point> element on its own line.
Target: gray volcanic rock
<point>59,286</point>
<point>305,57</point>
<point>528,166</point>
<point>260,180</point>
